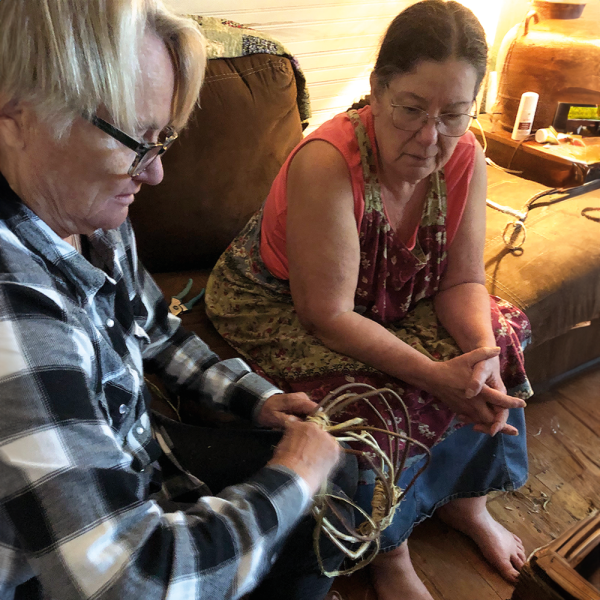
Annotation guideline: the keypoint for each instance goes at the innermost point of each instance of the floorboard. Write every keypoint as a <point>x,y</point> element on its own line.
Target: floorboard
<point>563,431</point>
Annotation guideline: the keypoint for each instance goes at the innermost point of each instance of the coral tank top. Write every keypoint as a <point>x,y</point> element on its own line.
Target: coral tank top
<point>339,132</point>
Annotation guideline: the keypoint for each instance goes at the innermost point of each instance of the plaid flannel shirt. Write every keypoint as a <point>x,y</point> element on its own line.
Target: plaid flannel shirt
<point>80,513</point>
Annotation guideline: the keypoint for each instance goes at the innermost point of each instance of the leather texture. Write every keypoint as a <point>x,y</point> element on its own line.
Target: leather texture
<point>220,170</point>
<point>555,279</point>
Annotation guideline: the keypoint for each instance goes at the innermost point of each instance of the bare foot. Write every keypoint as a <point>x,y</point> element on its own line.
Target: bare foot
<point>501,548</point>
<point>394,576</point>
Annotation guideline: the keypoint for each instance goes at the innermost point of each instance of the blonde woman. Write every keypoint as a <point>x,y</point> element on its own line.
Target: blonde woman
<point>92,504</point>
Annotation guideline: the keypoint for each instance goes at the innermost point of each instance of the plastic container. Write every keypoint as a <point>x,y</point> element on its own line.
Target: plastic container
<point>546,136</point>
<point>525,116</point>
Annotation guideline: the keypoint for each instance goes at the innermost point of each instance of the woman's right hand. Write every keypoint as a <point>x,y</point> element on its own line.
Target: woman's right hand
<point>308,450</point>
<point>457,384</point>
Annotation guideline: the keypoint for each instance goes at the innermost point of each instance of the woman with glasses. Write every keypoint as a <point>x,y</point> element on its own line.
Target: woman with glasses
<point>93,502</point>
<point>366,265</point>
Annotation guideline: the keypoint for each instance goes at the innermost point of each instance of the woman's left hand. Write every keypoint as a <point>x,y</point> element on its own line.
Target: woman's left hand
<point>280,408</point>
<point>487,373</point>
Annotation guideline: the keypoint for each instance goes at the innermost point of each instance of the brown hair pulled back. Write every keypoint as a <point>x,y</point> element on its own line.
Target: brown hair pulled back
<point>435,30</point>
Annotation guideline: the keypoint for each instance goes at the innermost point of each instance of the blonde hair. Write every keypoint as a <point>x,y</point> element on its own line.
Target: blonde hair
<point>69,57</point>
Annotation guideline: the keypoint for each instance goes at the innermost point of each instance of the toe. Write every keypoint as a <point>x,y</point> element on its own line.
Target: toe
<point>520,560</point>
<point>509,573</point>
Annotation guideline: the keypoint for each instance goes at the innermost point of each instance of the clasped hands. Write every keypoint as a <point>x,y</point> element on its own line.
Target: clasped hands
<point>472,387</point>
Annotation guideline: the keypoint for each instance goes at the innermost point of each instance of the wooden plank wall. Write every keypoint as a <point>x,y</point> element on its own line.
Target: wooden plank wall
<point>336,40</point>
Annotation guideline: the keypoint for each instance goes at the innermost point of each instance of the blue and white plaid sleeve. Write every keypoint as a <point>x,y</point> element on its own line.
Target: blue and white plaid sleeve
<point>73,500</point>
<point>184,362</point>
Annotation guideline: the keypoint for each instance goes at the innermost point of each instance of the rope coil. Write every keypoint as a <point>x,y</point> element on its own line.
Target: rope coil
<point>361,544</point>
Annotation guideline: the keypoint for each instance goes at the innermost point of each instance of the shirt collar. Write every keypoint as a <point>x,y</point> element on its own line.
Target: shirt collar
<point>35,234</point>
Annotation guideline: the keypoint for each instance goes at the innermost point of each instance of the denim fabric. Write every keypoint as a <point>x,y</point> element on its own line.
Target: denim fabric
<point>466,464</point>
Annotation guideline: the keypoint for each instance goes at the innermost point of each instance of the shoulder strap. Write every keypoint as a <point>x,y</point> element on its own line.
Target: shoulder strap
<point>367,156</point>
<point>369,164</point>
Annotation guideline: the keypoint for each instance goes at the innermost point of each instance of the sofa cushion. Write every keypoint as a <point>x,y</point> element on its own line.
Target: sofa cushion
<point>221,169</point>
<point>555,278</point>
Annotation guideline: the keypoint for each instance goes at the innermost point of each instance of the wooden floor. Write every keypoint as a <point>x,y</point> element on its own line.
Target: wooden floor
<point>563,487</point>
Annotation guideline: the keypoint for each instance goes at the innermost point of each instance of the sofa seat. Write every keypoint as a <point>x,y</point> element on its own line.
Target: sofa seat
<point>554,278</point>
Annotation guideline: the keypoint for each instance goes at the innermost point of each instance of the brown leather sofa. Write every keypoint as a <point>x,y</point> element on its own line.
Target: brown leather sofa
<point>221,169</point>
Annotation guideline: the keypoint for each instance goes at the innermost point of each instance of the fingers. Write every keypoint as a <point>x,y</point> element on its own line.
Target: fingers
<point>281,408</point>
<point>509,430</point>
<point>480,411</point>
<point>297,403</point>
<point>501,417</point>
<point>496,384</point>
<point>501,400</point>
<point>480,354</point>
<point>487,429</point>
<point>309,451</point>
<point>500,423</point>
<point>492,429</point>
<point>478,378</point>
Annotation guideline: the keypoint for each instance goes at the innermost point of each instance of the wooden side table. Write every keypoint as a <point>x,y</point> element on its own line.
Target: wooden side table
<point>564,165</point>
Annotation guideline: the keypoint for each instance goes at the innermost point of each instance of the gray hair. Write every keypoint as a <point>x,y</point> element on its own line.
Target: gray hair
<point>69,57</point>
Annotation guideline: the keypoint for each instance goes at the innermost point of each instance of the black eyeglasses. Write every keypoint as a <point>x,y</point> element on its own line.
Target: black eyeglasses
<point>412,118</point>
<point>146,152</point>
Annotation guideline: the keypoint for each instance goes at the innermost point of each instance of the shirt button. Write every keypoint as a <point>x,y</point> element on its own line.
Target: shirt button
<point>122,409</point>
<point>139,430</point>
<point>110,323</point>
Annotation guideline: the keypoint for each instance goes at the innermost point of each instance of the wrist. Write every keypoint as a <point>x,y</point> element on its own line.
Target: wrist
<point>310,479</point>
<point>425,373</point>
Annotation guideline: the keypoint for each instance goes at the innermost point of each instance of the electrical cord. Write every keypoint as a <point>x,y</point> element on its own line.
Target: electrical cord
<point>514,235</point>
<point>515,232</point>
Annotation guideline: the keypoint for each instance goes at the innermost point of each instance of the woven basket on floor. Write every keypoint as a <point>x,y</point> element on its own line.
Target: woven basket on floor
<point>558,571</point>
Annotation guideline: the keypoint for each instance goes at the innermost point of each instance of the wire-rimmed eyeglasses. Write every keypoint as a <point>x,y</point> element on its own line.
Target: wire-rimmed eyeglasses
<point>412,118</point>
<point>146,152</point>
